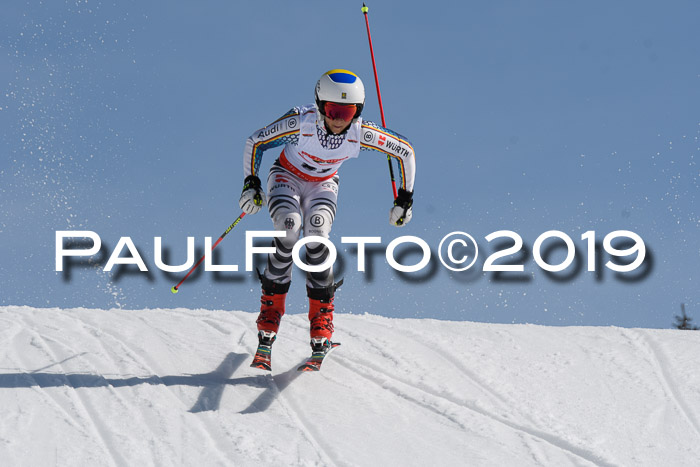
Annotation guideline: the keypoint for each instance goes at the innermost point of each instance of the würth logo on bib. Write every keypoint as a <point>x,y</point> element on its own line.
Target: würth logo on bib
<point>382,140</point>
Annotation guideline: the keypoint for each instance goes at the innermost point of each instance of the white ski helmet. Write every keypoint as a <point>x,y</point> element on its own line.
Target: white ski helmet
<point>342,87</point>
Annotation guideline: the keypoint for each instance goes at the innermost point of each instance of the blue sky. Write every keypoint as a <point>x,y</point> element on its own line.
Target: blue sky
<point>129,119</point>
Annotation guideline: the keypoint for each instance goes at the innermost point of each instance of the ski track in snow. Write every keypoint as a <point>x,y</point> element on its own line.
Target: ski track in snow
<point>151,368</point>
<point>217,327</point>
<point>533,432</point>
<point>293,412</point>
<point>102,434</point>
<point>435,349</point>
<point>295,415</point>
<point>380,376</point>
<point>47,396</point>
<point>661,366</point>
<point>97,335</point>
<point>425,382</point>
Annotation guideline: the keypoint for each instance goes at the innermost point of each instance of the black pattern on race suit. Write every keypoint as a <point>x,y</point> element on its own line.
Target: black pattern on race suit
<point>329,140</point>
<point>298,206</point>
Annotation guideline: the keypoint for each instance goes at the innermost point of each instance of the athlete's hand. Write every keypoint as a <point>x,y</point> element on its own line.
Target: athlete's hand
<point>253,197</point>
<point>402,212</point>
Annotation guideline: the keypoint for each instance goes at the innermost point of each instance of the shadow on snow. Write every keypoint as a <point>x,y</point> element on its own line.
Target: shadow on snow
<point>213,383</point>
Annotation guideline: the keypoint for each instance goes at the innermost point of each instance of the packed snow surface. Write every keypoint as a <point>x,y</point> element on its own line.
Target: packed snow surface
<point>174,387</point>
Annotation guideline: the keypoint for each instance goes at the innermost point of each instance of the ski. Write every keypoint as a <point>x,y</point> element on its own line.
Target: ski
<point>313,363</point>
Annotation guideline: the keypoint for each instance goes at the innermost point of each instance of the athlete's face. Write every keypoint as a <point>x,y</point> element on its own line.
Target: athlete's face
<point>338,116</point>
<point>337,125</point>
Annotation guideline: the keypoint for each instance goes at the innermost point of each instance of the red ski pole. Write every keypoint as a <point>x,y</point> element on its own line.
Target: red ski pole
<point>230,227</point>
<point>365,10</point>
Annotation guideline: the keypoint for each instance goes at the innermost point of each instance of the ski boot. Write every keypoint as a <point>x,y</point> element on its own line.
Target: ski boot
<point>272,303</point>
<point>321,325</point>
<point>321,311</point>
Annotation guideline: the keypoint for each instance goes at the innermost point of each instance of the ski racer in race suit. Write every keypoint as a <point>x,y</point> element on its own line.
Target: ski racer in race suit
<point>302,191</point>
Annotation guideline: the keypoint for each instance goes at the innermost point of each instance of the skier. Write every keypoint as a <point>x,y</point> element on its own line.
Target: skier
<point>302,190</point>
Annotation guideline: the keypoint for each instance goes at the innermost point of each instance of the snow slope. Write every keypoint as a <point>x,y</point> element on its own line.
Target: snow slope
<point>173,387</point>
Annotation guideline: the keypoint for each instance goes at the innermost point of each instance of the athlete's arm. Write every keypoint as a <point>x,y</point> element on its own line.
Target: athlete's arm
<point>377,138</point>
<point>278,133</point>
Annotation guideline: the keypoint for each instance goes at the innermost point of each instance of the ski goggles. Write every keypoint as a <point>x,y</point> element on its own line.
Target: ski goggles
<point>340,111</point>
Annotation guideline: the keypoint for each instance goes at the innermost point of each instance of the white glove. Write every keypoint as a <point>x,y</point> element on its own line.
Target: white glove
<point>253,197</point>
<point>402,212</point>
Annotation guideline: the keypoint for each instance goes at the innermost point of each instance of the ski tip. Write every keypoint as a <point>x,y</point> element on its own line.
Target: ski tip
<point>307,367</point>
<point>261,366</point>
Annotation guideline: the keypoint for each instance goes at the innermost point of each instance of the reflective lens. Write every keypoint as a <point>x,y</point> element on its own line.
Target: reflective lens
<point>342,111</point>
